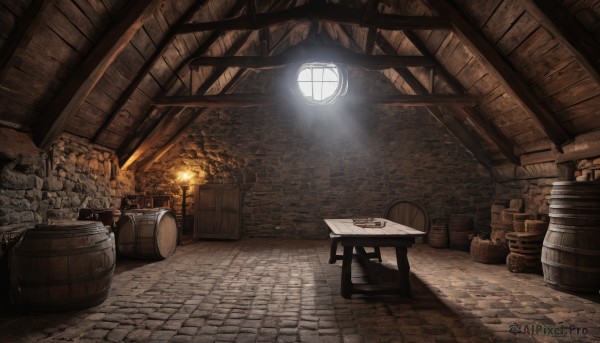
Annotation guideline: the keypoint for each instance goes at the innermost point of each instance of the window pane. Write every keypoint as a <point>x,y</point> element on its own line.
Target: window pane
<point>304,75</point>
<point>317,90</point>
<point>305,88</point>
<point>330,75</point>
<point>329,89</point>
<point>317,74</point>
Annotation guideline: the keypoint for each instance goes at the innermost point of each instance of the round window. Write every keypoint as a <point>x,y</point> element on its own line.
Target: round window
<point>320,83</point>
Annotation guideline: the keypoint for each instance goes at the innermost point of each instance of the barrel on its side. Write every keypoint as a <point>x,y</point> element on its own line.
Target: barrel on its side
<point>571,248</point>
<point>147,234</point>
<point>64,266</point>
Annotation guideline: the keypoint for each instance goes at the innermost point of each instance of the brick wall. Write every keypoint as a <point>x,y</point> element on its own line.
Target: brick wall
<point>298,164</point>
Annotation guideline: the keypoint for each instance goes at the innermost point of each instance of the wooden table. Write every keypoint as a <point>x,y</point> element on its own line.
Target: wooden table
<point>391,235</point>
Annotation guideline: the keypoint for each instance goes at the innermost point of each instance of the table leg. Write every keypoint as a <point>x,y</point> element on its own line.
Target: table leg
<point>404,270</point>
<point>346,287</point>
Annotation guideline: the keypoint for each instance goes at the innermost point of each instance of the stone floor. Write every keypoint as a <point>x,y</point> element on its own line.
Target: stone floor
<point>260,290</point>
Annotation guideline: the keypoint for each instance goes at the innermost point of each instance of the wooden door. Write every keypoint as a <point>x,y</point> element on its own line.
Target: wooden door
<point>217,212</point>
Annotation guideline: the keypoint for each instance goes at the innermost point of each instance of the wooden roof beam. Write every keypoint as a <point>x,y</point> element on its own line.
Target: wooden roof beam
<point>324,12</point>
<point>254,99</point>
<point>568,31</point>
<point>504,144</point>
<point>21,35</point>
<point>139,78</point>
<point>322,53</point>
<point>371,7</point>
<point>78,86</point>
<point>509,78</point>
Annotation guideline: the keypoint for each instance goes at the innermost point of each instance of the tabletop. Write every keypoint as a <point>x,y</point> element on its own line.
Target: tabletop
<point>344,227</point>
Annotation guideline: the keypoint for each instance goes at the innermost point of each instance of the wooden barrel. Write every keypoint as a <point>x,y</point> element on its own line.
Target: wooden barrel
<point>460,222</point>
<point>460,240</point>
<point>496,211</point>
<point>525,243</point>
<point>571,248</point>
<point>438,236</point>
<point>62,266</point>
<point>10,235</point>
<point>147,233</point>
<point>507,216</point>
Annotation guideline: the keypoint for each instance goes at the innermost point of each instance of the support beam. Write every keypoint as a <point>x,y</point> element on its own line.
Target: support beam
<point>568,31</point>
<point>508,77</point>
<point>505,146</point>
<point>160,50</point>
<point>371,8</point>
<point>251,99</point>
<point>305,53</point>
<point>21,35</point>
<point>81,82</point>
<point>324,12</point>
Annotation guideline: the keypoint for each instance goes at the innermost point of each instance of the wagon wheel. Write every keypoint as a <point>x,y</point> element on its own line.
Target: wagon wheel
<point>408,213</point>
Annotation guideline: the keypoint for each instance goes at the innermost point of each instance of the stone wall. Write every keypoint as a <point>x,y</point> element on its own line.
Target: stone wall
<point>73,174</point>
<point>298,164</point>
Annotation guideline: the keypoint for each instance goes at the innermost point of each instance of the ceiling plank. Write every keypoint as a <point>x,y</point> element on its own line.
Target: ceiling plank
<point>162,47</point>
<point>78,86</point>
<point>568,31</point>
<point>324,12</point>
<point>21,35</point>
<point>505,146</point>
<point>509,78</point>
<point>254,99</point>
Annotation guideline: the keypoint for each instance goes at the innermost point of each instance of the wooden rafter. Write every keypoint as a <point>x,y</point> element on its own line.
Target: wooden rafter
<point>78,86</point>
<point>568,31</point>
<point>450,123</point>
<point>323,12</point>
<point>304,53</point>
<point>371,7</point>
<point>160,50</point>
<point>509,78</point>
<point>502,142</point>
<point>253,99</point>
<point>21,35</point>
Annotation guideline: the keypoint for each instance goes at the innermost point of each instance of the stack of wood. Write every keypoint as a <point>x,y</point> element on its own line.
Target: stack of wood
<point>526,247</point>
<point>502,219</point>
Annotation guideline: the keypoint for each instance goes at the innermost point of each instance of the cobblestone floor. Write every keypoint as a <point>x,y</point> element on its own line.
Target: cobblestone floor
<point>260,290</point>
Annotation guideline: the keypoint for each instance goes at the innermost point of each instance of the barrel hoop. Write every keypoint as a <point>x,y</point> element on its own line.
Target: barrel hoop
<point>45,234</point>
<point>570,266</point>
<point>80,279</point>
<point>106,243</point>
<point>577,251</point>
